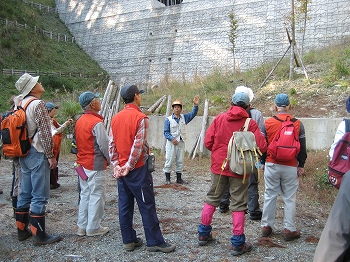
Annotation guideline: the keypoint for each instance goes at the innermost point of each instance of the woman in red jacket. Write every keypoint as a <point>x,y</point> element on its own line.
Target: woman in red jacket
<point>216,140</point>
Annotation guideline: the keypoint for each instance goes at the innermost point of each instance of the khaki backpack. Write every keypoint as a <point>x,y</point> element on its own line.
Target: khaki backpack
<point>243,154</point>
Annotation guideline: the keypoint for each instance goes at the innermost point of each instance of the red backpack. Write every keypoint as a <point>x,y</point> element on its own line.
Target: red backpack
<point>285,146</point>
<point>340,163</point>
<point>14,133</point>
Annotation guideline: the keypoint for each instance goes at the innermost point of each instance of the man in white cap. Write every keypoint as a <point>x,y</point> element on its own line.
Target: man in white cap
<point>253,188</point>
<point>35,167</point>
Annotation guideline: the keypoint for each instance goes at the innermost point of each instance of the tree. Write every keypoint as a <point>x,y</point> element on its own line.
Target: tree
<point>233,32</point>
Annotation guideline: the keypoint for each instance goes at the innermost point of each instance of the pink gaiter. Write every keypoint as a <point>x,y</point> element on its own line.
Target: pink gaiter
<point>207,214</point>
<point>238,223</point>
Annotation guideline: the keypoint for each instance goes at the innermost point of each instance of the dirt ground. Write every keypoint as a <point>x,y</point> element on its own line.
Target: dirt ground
<point>179,209</point>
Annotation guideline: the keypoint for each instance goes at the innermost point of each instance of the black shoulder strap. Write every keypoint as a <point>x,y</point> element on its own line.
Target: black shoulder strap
<point>347,125</point>
<point>293,119</point>
<point>249,112</point>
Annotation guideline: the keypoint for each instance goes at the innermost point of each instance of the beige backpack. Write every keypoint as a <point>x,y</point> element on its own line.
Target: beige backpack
<point>243,153</point>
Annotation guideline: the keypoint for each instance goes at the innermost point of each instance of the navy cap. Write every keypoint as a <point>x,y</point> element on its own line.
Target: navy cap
<point>282,100</point>
<point>86,98</point>
<point>50,106</point>
<point>240,97</point>
<point>128,92</point>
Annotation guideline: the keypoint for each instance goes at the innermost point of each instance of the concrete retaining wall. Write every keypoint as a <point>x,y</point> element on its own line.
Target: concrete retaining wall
<point>146,41</point>
<point>319,132</point>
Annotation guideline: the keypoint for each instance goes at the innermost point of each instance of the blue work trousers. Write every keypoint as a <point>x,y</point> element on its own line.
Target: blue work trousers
<point>35,184</point>
<point>138,184</point>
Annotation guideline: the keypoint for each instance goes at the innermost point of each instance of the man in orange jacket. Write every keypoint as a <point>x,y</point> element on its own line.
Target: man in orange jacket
<point>282,175</point>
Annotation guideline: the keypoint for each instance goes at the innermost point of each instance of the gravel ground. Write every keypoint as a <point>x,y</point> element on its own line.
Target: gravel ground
<point>178,208</point>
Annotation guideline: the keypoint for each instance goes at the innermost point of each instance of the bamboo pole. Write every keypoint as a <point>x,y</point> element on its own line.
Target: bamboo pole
<point>121,84</point>
<point>204,125</point>
<point>155,105</point>
<point>160,105</point>
<point>104,100</point>
<point>192,152</point>
<point>168,112</point>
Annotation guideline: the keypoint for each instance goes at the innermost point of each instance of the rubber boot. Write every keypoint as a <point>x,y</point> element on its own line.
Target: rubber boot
<point>14,205</point>
<point>179,179</point>
<point>167,178</point>
<point>22,222</point>
<point>37,226</point>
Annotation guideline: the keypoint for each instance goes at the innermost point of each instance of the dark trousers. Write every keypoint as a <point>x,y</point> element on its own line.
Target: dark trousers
<point>138,184</point>
<point>54,174</point>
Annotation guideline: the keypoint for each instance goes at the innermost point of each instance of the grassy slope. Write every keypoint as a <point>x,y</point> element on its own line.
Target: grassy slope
<point>22,49</point>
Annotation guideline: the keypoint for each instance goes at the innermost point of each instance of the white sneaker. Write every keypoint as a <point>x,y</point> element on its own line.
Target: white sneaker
<point>101,231</point>
<point>81,232</point>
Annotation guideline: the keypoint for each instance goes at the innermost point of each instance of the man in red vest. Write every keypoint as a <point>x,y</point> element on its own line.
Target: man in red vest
<point>92,144</point>
<point>129,151</point>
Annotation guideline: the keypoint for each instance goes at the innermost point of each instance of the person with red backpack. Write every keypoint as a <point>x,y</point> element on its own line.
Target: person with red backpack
<point>284,163</point>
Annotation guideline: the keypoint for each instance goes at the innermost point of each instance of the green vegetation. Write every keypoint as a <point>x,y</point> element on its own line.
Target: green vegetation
<point>22,49</point>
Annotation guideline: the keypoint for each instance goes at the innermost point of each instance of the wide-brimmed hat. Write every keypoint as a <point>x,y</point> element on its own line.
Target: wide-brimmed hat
<point>26,83</point>
<point>86,97</point>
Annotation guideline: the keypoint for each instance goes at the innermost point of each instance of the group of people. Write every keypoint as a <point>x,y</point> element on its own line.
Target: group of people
<point>127,150</point>
<point>280,176</point>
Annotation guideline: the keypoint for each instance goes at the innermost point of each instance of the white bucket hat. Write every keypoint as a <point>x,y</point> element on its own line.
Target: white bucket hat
<point>246,90</point>
<point>26,83</point>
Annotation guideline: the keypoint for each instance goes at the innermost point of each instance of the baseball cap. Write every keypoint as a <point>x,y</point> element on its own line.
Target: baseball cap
<point>240,97</point>
<point>128,92</point>
<point>50,106</point>
<point>86,97</point>
<point>282,100</point>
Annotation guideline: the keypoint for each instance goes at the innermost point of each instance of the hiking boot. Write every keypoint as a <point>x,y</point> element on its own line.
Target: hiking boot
<point>255,215</point>
<point>203,240</point>
<point>224,208</point>
<point>131,246</point>
<point>81,232</point>
<point>99,232</point>
<point>179,179</point>
<point>237,251</point>
<point>291,235</point>
<point>165,248</point>
<point>167,178</point>
<point>54,186</point>
<point>266,231</point>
